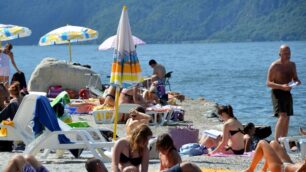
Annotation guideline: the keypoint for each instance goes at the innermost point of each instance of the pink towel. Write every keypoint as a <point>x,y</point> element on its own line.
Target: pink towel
<point>246,154</point>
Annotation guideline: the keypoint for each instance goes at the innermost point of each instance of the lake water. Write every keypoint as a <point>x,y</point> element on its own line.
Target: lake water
<point>227,73</point>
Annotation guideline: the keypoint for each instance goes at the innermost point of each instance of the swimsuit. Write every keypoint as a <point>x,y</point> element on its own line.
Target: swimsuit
<point>282,102</point>
<point>236,152</point>
<point>111,96</point>
<point>133,161</point>
<point>4,65</point>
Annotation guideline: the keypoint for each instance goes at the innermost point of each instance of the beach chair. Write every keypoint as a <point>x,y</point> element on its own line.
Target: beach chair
<point>167,78</point>
<point>21,129</point>
<point>58,135</point>
<point>300,142</point>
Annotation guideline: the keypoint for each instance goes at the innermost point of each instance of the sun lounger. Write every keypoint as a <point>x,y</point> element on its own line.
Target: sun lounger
<point>55,136</point>
<point>300,143</point>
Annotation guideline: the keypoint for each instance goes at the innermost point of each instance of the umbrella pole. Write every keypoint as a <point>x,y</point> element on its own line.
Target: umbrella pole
<point>69,44</point>
<point>116,112</point>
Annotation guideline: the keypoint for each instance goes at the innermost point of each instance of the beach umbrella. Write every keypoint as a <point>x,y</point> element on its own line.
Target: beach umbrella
<point>125,67</point>
<point>9,32</point>
<point>67,35</point>
<point>111,42</point>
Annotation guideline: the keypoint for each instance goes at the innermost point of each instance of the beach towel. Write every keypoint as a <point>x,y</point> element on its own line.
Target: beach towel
<point>216,170</point>
<point>44,116</point>
<point>245,154</point>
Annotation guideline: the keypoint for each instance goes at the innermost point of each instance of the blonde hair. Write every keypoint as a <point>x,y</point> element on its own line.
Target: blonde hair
<point>138,136</point>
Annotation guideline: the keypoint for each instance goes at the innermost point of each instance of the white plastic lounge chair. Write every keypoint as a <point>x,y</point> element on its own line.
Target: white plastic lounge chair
<point>299,140</point>
<point>61,136</point>
<point>21,131</point>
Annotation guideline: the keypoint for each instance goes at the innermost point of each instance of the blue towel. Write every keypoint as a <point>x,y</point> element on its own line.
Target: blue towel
<point>44,116</point>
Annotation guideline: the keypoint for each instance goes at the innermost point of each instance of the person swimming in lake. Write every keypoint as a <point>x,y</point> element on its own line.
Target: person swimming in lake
<point>231,141</point>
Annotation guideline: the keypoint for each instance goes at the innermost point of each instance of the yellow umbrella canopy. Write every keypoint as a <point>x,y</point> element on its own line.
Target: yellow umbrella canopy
<point>67,35</point>
<point>9,32</point>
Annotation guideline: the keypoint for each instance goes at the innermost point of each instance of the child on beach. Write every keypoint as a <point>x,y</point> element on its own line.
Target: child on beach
<point>95,165</point>
<point>168,154</point>
<point>231,141</point>
<point>132,153</point>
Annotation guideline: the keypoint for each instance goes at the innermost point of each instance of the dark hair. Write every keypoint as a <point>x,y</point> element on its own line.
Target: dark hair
<point>91,165</point>
<point>248,127</point>
<point>164,142</point>
<point>152,61</point>
<point>9,46</point>
<point>227,109</point>
<point>141,109</point>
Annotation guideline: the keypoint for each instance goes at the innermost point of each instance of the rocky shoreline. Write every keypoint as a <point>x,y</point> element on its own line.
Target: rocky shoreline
<point>198,113</point>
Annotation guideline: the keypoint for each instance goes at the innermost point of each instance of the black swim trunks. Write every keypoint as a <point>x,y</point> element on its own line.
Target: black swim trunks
<point>282,102</point>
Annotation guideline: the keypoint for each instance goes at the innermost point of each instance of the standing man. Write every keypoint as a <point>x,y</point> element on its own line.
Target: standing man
<point>280,74</point>
<point>159,71</point>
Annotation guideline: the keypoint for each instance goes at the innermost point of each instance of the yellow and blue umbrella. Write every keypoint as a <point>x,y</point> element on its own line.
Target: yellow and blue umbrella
<point>126,69</point>
<point>67,35</point>
<point>9,32</point>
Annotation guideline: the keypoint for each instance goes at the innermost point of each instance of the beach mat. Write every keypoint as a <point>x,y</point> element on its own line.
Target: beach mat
<point>216,170</point>
<point>246,154</point>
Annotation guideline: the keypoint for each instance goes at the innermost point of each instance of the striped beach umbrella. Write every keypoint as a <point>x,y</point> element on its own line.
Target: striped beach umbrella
<point>9,32</point>
<point>126,69</point>
<point>67,35</point>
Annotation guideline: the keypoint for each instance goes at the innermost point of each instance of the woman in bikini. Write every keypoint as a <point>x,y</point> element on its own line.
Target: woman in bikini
<point>231,141</point>
<point>132,153</point>
<point>277,160</point>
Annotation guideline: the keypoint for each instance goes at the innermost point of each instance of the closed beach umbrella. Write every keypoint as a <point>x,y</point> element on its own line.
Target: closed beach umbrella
<point>9,32</point>
<point>125,67</point>
<point>67,35</point>
<point>111,42</point>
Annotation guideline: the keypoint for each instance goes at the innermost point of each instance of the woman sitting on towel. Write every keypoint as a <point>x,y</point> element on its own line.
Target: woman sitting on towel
<point>132,153</point>
<point>168,154</point>
<point>231,141</point>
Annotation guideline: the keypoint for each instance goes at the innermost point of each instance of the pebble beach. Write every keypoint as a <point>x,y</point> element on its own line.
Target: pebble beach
<point>198,113</point>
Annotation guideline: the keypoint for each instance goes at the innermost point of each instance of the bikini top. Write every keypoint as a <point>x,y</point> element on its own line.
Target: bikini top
<point>233,132</point>
<point>133,161</point>
<point>111,96</point>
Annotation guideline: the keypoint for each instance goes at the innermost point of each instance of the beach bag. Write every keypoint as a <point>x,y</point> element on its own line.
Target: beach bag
<point>6,146</point>
<point>183,135</point>
<point>54,90</point>
<point>193,149</point>
<point>177,115</point>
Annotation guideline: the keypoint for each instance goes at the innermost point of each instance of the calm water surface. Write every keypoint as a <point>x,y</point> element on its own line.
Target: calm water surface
<point>228,73</point>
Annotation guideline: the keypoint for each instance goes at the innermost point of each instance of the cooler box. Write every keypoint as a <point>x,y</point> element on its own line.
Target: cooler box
<point>103,116</point>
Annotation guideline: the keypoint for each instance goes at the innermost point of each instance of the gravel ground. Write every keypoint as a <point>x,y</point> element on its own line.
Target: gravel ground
<point>198,114</point>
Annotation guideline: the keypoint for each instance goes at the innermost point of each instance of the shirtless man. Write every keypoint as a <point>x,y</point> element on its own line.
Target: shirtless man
<point>281,72</point>
<point>159,71</point>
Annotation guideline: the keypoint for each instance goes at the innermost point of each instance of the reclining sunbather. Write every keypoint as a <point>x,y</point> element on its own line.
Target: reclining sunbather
<point>137,118</point>
<point>276,159</point>
<point>231,142</point>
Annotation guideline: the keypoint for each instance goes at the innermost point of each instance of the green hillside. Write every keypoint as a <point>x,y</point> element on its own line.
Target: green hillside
<point>165,21</point>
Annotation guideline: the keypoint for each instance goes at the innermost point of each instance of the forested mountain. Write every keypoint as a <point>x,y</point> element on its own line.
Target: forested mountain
<point>165,21</point>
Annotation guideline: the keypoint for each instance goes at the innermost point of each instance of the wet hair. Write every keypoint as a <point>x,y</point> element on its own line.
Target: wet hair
<point>9,46</point>
<point>141,109</point>
<point>14,88</point>
<point>152,62</point>
<point>91,165</point>
<point>164,142</point>
<point>138,136</point>
<point>248,128</point>
<point>226,109</point>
